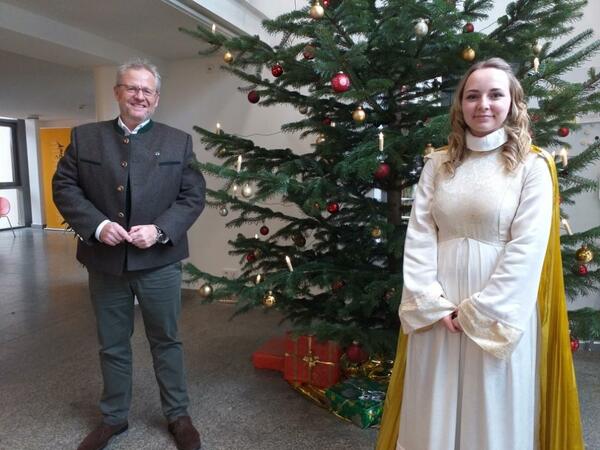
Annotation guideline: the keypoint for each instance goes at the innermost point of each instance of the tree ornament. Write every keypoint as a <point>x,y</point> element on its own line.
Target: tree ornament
<point>376,232</point>
<point>247,190</point>
<point>536,64</point>
<point>250,257</point>
<point>429,148</point>
<point>325,3</point>
<point>277,70</point>
<point>223,211</point>
<point>320,139</point>
<point>337,285</point>
<point>316,10</point>
<point>582,270</point>
<point>298,239</point>
<point>356,353</point>
<point>264,230</point>
<point>253,97</point>
<point>421,28</point>
<point>563,131</point>
<point>309,52</point>
<point>584,255</point>
<point>206,290</point>
<point>269,299</point>
<point>537,48</point>
<point>333,207</point>
<point>468,54</point>
<point>574,344</point>
<point>382,172</point>
<point>359,114</point>
<point>228,57</point>
<point>326,121</point>
<point>258,279</point>
<point>469,27</point>
<point>303,109</point>
<point>340,82</point>
<point>389,294</point>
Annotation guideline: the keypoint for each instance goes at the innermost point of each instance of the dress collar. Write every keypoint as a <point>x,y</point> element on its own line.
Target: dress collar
<point>488,142</point>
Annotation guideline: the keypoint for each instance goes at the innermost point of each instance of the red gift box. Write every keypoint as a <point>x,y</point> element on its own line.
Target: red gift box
<point>270,355</point>
<point>310,361</point>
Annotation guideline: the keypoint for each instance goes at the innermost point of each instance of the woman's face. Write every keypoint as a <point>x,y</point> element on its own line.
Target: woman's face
<point>486,100</point>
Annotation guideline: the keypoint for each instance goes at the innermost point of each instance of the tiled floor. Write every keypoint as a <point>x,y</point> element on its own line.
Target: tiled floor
<point>50,380</point>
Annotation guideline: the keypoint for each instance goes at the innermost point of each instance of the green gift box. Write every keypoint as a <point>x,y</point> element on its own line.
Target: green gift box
<point>358,400</point>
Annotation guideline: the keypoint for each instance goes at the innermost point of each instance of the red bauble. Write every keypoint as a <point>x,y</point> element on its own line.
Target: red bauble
<point>337,285</point>
<point>356,353</point>
<point>382,171</point>
<point>250,257</point>
<point>582,270</point>
<point>325,3</point>
<point>333,207</point>
<point>327,121</point>
<point>574,344</point>
<point>340,82</point>
<point>563,131</point>
<point>469,27</point>
<point>264,230</point>
<point>277,70</point>
<point>253,97</point>
<point>535,117</point>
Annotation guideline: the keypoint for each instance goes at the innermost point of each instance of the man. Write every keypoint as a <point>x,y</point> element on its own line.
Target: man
<point>127,188</point>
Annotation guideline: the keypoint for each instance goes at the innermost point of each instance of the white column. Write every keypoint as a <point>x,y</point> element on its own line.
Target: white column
<point>36,186</point>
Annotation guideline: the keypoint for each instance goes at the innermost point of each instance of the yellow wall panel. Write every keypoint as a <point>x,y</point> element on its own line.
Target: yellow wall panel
<point>53,143</point>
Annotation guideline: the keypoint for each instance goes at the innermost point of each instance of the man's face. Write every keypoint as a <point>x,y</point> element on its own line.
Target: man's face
<point>137,96</point>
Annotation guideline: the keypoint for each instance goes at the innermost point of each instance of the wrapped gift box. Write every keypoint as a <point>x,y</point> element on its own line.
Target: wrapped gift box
<point>310,361</point>
<point>270,354</point>
<point>359,400</point>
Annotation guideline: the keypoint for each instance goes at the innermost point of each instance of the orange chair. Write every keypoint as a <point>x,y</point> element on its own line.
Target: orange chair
<point>4,210</point>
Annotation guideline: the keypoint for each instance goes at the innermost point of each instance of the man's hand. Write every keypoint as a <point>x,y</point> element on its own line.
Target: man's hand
<point>143,236</point>
<point>113,234</point>
<point>451,323</point>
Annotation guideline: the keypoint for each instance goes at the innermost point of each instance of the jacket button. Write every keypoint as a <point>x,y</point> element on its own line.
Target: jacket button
<point>123,163</point>
<point>120,188</point>
<point>126,140</point>
<point>121,214</point>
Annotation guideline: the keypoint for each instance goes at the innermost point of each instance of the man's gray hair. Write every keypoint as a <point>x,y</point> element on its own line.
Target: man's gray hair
<point>137,64</point>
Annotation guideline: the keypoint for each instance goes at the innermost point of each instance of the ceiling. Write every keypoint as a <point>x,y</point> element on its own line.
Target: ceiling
<point>48,49</point>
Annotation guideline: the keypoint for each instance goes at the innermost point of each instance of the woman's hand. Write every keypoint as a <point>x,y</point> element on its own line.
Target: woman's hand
<point>451,323</point>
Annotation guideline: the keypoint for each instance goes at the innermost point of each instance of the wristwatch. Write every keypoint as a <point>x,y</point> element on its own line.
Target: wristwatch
<point>161,237</point>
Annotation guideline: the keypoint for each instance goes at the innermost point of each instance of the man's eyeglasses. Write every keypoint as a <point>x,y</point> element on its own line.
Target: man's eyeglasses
<point>133,90</point>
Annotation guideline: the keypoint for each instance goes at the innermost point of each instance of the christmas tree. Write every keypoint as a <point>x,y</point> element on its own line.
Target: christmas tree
<point>372,82</point>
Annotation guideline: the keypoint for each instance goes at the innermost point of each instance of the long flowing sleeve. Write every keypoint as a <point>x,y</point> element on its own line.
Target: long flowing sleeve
<point>423,299</point>
<point>495,317</point>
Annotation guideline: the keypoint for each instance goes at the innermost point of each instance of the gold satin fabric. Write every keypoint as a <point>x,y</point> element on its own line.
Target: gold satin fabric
<point>559,419</point>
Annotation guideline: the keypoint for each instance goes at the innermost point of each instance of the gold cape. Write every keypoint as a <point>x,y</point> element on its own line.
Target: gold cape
<point>559,419</point>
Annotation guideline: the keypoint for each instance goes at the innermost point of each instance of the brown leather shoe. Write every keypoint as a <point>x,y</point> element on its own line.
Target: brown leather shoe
<point>185,434</point>
<point>100,436</point>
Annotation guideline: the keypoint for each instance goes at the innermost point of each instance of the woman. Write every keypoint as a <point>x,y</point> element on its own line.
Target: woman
<point>473,372</point>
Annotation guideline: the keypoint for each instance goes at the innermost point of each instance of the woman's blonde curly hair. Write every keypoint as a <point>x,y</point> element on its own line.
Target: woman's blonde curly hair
<point>516,124</point>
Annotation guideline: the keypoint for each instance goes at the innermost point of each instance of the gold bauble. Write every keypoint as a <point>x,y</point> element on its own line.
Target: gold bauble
<point>223,211</point>
<point>584,255</point>
<point>537,48</point>
<point>428,149</point>
<point>359,114</point>
<point>421,28</point>
<point>468,54</point>
<point>228,57</point>
<point>320,139</point>
<point>317,11</point>
<point>269,299</point>
<point>303,109</point>
<point>376,232</point>
<point>206,290</point>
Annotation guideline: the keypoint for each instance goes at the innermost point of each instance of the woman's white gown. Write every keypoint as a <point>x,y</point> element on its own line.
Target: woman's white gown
<point>475,241</point>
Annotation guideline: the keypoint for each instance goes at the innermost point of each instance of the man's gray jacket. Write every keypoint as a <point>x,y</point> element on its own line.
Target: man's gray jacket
<point>139,179</point>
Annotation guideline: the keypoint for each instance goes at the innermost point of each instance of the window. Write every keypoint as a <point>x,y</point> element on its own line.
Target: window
<point>9,167</point>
